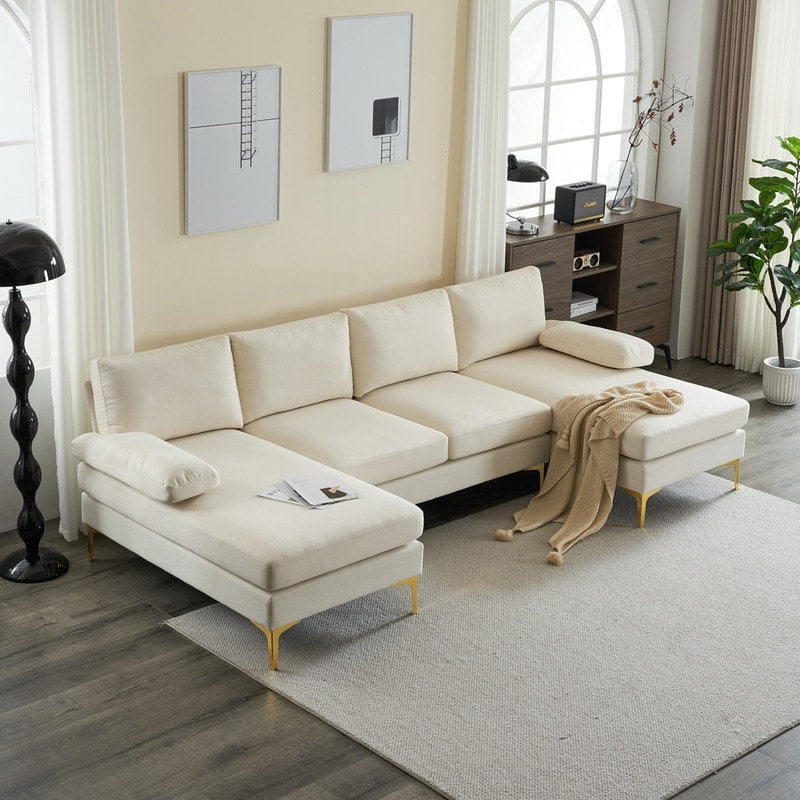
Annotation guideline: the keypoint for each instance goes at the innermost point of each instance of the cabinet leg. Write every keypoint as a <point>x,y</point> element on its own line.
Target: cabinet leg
<point>667,354</point>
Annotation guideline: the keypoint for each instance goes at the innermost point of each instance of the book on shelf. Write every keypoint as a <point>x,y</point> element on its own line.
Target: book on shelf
<point>582,303</point>
<point>313,491</point>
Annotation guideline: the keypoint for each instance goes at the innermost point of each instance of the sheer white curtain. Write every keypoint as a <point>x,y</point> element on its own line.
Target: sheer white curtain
<point>774,111</point>
<point>480,244</point>
<point>78,90</point>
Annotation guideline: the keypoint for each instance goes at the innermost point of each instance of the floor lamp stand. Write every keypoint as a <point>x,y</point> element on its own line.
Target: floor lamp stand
<point>31,564</point>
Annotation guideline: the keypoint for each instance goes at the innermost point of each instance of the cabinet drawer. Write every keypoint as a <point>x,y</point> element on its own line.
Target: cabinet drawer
<point>645,284</point>
<point>649,240</point>
<point>545,253</point>
<point>650,323</point>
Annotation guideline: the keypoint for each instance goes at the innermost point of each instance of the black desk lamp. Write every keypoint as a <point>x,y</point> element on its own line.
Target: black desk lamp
<point>525,172</point>
<point>27,256</point>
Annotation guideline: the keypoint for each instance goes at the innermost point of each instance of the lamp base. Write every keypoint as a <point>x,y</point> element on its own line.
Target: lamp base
<point>522,228</point>
<point>51,564</point>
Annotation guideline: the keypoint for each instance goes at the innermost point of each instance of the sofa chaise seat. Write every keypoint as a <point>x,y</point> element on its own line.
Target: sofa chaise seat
<point>404,400</point>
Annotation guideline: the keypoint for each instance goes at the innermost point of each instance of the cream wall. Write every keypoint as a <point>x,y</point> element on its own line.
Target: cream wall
<point>343,238</point>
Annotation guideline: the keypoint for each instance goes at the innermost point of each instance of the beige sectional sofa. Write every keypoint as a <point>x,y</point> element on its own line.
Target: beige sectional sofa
<point>407,400</point>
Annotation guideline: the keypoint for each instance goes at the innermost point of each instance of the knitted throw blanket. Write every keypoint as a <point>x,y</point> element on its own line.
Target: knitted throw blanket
<point>582,476</point>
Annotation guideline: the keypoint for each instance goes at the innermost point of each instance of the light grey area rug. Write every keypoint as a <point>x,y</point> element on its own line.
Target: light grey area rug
<point>650,659</point>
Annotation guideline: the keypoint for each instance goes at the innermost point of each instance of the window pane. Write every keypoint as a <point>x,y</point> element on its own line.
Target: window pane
<point>611,149</point>
<point>572,108</point>
<point>528,55</point>
<point>573,51</point>
<point>524,194</point>
<point>615,53</point>
<point>525,117</point>
<point>16,117</point>
<point>568,163</point>
<point>615,107</point>
<point>17,177</point>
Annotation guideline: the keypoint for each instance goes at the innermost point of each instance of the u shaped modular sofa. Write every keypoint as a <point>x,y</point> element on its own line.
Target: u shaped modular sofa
<point>407,400</point>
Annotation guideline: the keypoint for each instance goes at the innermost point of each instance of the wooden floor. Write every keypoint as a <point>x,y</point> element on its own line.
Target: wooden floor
<point>100,700</point>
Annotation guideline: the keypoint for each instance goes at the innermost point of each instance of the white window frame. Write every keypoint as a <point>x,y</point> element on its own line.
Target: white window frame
<point>541,204</point>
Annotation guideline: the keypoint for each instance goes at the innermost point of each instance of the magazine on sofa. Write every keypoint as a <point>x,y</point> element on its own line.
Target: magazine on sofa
<point>314,491</point>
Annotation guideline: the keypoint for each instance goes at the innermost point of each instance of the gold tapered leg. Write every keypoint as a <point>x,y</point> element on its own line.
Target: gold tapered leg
<point>641,503</point>
<point>90,532</point>
<point>411,582</point>
<point>539,468</point>
<point>735,464</point>
<point>273,635</point>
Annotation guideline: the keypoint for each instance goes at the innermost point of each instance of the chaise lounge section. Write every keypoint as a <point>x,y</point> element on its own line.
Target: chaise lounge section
<point>405,400</point>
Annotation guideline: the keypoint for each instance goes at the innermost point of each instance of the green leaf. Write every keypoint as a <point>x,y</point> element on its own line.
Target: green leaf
<point>774,163</point>
<point>717,249</point>
<point>772,183</point>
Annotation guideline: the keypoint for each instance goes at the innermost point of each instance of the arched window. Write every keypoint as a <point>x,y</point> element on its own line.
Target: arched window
<point>574,71</point>
<point>18,183</point>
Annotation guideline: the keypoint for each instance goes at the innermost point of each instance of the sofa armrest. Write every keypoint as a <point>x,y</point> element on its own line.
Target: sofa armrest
<point>598,345</point>
<point>149,464</point>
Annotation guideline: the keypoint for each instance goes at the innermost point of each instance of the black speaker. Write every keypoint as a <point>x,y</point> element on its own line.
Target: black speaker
<point>579,202</point>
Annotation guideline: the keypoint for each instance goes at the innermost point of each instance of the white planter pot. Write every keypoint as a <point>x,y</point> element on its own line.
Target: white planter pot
<point>781,385</point>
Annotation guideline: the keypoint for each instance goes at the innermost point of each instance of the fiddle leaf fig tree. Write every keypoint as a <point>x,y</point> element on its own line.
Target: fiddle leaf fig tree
<point>763,244</point>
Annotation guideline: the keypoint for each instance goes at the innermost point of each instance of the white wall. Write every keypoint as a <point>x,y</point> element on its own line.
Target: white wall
<point>691,53</point>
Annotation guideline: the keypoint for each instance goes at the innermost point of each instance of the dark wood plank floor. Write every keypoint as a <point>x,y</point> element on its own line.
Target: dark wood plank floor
<point>99,700</point>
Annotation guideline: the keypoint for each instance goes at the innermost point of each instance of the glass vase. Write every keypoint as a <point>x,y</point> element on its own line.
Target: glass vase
<point>622,186</point>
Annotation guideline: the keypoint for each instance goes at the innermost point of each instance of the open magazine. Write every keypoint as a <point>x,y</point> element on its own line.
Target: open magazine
<point>314,491</point>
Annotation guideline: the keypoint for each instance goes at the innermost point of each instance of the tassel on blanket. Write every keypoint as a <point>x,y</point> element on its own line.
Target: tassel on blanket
<point>554,557</point>
<point>504,535</point>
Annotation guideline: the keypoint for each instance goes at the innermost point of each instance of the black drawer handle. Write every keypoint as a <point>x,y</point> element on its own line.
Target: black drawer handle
<point>548,309</point>
<point>546,264</point>
<point>646,328</point>
<point>648,285</point>
<point>650,240</point>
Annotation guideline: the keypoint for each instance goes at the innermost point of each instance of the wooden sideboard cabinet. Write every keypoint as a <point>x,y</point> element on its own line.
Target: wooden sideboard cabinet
<point>632,281</point>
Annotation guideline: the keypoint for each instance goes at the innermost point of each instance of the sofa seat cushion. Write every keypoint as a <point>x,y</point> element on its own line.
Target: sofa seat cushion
<point>474,415</point>
<point>549,375</point>
<point>266,543</point>
<point>355,438</point>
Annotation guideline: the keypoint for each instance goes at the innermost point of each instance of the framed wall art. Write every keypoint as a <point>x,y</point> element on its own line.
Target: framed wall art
<point>232,120</point>
<point>369,87</point>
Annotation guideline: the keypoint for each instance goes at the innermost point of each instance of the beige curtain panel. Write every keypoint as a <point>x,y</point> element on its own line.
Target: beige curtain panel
<point>714,312</point>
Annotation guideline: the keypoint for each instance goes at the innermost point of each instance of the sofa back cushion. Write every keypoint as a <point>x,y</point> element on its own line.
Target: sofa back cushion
<point>292,365</point>
<point>401,339</point>
<point>497,315</point>
<point>169,392</point>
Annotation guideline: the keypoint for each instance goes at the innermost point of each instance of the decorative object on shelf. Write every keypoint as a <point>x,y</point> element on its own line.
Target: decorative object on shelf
<point>656,107</point>
<point>27,256</point>
<point>232,147</point>
<point>623,187</point>
<point>579,202</point>
<point>767,230</point>
<point>369,88</point>
<point>523,172</point>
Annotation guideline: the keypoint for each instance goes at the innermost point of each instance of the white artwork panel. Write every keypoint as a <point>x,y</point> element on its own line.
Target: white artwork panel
<point>232,148</point>
<point>369,86</point>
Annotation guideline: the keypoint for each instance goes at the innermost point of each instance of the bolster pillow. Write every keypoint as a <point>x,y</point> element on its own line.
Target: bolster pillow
<point>154,467</point>
<point>598,345</point>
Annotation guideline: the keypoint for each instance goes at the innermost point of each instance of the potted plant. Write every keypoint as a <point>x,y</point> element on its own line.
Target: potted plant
<point>765,236</point>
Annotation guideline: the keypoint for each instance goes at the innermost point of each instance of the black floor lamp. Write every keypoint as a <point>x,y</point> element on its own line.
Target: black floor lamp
<point>27,256</point>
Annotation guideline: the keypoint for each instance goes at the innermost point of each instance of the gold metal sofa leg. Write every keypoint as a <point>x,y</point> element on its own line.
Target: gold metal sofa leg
<point>641,503</point>
<point>411,582</point>
<point>90,532</point>
<point>273,635</point>
<point>538,468</point>
<point>736,466</point>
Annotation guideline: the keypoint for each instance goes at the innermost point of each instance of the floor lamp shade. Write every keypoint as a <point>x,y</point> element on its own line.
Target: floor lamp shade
<point>27,256</point>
